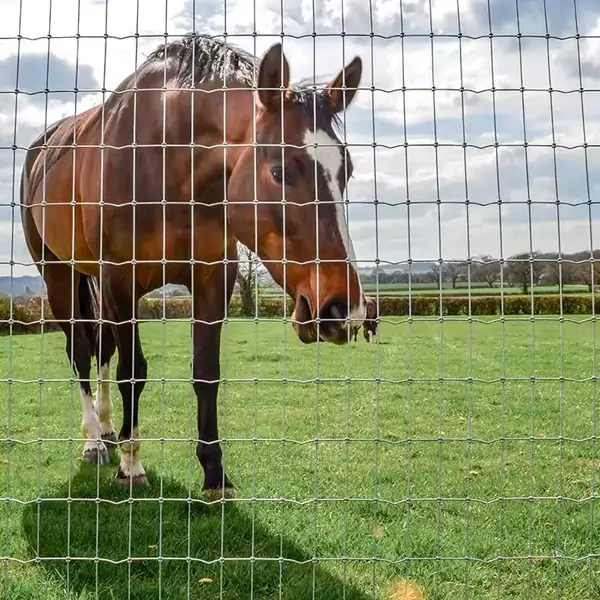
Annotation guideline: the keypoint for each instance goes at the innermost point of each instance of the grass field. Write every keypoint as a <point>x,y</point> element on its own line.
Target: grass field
<point>484,452</point>
<point>475,289</point>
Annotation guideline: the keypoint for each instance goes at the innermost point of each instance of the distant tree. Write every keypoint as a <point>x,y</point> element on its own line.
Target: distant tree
<point>524,270</point>
<point>435,275</point>
<point>487,270</point>
<point>559,273</point>
<point>399,277</point>
<point>453,271</point>
<point>251,277</point>
<point>378,275</point>
<point>582,273</point>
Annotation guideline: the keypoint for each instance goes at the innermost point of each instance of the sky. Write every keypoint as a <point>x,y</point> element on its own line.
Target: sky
<point>459,146</point>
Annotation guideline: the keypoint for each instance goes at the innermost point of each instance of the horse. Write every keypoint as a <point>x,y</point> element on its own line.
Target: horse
<point>203,145</point>
<point>370,323</point>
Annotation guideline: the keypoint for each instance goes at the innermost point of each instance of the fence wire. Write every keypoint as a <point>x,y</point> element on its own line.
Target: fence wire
<point>453,454</point>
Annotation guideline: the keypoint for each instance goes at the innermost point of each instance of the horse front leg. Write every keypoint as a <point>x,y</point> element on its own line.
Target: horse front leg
<point>210,304</point>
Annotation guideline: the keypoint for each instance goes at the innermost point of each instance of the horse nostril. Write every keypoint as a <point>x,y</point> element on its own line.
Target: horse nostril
<point>334,312</point>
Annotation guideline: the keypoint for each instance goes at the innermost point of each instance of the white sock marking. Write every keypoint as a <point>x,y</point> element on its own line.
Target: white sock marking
<point>90,424</point>
<point>131,465</point>
<point>327,153</point>
<point>103,403</point>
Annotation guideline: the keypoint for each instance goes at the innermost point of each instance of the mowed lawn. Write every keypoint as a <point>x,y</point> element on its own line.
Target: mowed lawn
<point>461,456</point>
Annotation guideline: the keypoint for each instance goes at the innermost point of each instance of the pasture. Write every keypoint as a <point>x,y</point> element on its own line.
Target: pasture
<point>461,456</point>
<point>462,289</point>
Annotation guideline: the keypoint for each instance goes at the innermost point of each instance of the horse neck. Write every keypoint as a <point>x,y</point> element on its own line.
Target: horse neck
<point>241,135</point>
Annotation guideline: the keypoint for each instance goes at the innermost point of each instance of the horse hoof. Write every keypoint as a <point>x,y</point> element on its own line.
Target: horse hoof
<point>217,494</point>
<point>110,439</point>
<point>136,481</point>
<point>96,456</point>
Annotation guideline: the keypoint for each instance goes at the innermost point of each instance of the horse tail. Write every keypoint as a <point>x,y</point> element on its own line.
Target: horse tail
<point>89,306</point>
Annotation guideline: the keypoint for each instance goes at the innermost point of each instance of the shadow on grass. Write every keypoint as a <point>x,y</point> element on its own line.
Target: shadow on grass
<point>204,533</point>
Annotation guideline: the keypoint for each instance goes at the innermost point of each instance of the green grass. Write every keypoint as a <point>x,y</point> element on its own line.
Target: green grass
<point>531,444</point>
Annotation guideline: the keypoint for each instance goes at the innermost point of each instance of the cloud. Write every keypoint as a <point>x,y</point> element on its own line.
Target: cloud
<point>34,74</point>
<point>528,17</point>
<point>458,143</point>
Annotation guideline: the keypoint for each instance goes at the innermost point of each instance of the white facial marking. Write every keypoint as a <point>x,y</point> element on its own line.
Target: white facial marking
<point>327,154</point>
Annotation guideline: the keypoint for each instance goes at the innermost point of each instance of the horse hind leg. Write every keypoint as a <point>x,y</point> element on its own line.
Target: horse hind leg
<point>64,297</point>
<point>79,349</point>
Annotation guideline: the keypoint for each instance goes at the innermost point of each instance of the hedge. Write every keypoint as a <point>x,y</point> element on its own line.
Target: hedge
<point>26,316</point>
<point>402,306</point>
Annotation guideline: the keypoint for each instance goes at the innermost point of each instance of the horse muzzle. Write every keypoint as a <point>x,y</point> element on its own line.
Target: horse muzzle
<point>333,323</point>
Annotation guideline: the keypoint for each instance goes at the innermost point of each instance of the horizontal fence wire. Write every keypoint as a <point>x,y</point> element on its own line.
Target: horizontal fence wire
<point>280,322</point>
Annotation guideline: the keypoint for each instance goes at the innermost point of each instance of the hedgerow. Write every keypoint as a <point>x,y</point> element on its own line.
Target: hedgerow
<point>27,317</point>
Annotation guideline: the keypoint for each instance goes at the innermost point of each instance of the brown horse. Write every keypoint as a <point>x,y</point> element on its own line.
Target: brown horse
<point>129,195</point>
<point>370,324</point>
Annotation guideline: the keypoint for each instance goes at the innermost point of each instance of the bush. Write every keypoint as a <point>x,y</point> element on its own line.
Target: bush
<point>26,316</point>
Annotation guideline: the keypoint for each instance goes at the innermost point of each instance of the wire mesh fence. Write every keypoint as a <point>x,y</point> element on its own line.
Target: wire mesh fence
<point>310,299</point>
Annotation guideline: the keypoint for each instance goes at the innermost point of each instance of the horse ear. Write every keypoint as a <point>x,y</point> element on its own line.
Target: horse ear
<point>274,72</point>
<point>350,77</point>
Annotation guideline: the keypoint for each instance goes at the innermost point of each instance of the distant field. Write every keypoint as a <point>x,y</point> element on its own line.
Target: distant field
<point>428,289</point>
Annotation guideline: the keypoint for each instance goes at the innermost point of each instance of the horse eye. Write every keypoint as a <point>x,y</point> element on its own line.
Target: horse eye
<point>277,173</point>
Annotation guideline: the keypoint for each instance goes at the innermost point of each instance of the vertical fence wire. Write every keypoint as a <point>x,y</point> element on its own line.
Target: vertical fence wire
<point>588,196</point>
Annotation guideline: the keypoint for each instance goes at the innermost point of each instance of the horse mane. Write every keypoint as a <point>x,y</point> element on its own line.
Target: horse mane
<point>201,57</point>
<point>313,99</point>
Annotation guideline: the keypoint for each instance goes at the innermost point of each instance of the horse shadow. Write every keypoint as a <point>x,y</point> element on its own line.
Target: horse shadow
<point>160,545</point>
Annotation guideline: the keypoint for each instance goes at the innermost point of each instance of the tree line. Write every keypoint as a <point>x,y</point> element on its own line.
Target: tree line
<point>520,270</point>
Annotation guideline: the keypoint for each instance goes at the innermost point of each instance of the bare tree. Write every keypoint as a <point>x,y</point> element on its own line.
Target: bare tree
<point>251,276</point>
<point>487,270</point>
<point>524,270</point>
<point>436,272</point>
<point>583,273</point>
<point>560,273</point>
<point>454,270</point>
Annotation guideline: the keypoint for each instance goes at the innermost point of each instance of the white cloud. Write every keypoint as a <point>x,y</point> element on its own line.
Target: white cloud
<point>406,181</point>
